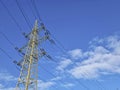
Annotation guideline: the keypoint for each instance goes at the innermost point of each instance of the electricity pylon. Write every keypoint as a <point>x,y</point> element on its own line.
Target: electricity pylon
<point>28,79</point>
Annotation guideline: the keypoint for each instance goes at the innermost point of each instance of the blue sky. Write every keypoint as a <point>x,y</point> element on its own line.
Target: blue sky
<point>88,29</point>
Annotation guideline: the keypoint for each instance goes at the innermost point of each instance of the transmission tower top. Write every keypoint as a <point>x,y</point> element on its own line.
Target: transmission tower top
<point>28,79</point>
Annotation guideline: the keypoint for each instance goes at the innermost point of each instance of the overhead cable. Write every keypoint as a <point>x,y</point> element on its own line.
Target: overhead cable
<point>12,17</point>
<point>25,16</point>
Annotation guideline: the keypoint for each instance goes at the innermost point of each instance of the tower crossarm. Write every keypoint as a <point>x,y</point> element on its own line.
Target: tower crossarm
<point>28,74</point>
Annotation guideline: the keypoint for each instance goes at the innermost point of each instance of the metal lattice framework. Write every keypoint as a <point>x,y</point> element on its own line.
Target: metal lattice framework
<point>29,65</point>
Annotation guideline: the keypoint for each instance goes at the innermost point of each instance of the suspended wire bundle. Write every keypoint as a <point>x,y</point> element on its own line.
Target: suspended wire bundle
<point>29,25</point>
<point>36,10</point>
<point>6,54</point>
<point>24,15</point>
<point>7,39</point>
<point>12,17</point>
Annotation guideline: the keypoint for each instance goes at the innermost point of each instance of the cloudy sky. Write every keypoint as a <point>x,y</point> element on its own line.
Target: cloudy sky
<point>86,53</point>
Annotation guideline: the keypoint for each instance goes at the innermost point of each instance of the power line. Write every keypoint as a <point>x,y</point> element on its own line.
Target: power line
<point>87,88</point>
<point>6,54</point>
<point>84,86</point>
<point>95,80</point>
<point>64,52</point>
<point>11,15</point>
<point>14,46</point>
<point>12,58</point>
<point>34,4</point>
<point>7,39</point>
<point>30,6</point>
<point>25,17</point>
<point>37,12</point>
<point>101,86</point>
<point>52,75</point>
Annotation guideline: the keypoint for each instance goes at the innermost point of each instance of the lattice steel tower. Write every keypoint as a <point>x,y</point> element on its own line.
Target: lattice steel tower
<point>28,78</point>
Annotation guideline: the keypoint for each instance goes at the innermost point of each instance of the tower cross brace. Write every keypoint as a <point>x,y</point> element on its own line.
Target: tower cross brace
<point>28,78</point>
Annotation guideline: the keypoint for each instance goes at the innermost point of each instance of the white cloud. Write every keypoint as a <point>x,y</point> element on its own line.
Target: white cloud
<point>69,85</point>
<point>56,78</point>
<point>64,64</point>
<point>114,44</point>
<point>100,60</point>
<point>11,88</point>
<point>45,85</point>
<point>7,77</point>
<point>1,86</point>
<point>76,53</point>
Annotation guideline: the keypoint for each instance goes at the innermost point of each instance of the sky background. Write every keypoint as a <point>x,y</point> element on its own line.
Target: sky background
<point>89,30</point>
